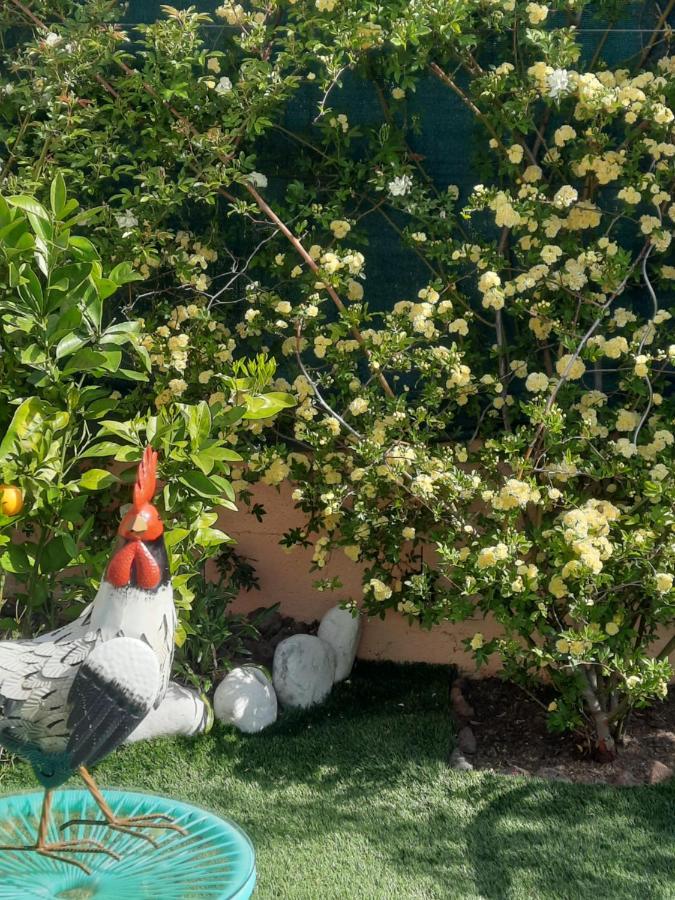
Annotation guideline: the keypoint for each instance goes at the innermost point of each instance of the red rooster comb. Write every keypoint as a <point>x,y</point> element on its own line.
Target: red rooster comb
<point>146,478</point>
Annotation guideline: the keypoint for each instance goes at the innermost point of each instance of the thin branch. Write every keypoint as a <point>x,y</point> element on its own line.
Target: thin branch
<point>580,346</point>
<point>468,102</point>
<point>655,303</point>
<point>663,18</point>
<point>358,337</point>
<point>315,388</point>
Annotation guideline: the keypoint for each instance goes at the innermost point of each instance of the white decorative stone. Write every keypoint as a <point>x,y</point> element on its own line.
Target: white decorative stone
<point>341,630</point>
<point>246,699</point>
<point>182,712</point>
<point>304,670</point>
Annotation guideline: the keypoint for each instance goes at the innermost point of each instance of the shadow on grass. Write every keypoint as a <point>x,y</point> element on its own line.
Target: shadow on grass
<point>529,838</point>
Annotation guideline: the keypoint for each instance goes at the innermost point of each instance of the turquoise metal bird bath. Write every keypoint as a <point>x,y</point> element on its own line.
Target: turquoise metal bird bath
<point>214,861</point>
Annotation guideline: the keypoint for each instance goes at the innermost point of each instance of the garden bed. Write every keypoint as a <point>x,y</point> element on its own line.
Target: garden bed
<point>512,738</point>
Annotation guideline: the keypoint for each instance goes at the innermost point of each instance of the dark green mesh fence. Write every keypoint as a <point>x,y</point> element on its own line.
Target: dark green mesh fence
<point>445,140</point>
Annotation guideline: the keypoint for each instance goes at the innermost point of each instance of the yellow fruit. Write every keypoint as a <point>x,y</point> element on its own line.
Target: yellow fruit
<point>11,499</point>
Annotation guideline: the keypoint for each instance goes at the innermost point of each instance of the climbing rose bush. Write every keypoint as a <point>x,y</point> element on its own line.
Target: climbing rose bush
<point>527,435</point>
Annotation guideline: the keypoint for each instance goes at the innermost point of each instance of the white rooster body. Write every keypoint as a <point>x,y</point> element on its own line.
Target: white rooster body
<point>70,697</point>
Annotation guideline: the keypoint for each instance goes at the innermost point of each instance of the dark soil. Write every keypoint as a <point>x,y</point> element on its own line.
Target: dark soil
<point>512,739</point>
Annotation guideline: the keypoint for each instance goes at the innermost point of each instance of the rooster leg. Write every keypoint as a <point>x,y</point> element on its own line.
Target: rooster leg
<point>127,825</point>
<point>53,850</point>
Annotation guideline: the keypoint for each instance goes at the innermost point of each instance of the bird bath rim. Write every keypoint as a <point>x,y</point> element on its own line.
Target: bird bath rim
<point>216,860</point>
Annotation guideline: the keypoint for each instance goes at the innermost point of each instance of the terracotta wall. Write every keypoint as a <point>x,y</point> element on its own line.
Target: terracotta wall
<point>285,578</point>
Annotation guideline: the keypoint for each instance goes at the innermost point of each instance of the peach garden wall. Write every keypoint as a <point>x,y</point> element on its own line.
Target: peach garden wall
<point>285,578</point>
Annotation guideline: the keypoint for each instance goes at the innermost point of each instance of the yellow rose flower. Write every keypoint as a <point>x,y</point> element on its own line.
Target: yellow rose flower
<point>477,641</point>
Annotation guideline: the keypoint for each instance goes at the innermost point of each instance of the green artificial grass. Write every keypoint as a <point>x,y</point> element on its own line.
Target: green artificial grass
<point>355,801</point>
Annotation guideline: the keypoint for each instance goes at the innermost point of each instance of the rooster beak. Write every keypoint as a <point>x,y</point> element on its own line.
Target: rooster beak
<point>140,525</point>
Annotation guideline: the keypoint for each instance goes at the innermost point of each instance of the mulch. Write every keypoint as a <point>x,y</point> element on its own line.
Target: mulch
<point>512,738</point>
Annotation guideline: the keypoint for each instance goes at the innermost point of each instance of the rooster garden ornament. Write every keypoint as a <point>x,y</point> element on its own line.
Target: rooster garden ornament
<point>70,697</point>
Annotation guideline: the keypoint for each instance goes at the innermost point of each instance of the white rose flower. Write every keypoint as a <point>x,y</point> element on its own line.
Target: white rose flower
<point>558,83</point>
<point>400,186</point>
<point>126,221</point>
<point>224,86</point>
<point>257,179</point>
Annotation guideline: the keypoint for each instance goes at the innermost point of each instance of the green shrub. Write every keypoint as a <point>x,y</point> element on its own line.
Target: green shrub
<point>74,383</point>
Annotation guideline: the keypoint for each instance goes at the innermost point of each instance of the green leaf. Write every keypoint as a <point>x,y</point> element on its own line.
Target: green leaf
<point>33,356</point>
<point>84,361</point>
<point>123,273</point>
<point>69,344</point>
<point>86,250</point>
<point>111,360</point>
<point>132,326</point>
<point>83,216</point>
<point>266,405</point>
<point>56,555</point>
<point>87,359</point>
<point>69,207</point>
<point>73,510</point>
<point>144,356</point>
<point>103,448</point>
<point>101,407</point>
<point>16,560</point>
<point>57,195</point>
<point>207,457</point>
<point>116,339</point>
<point>131,375</point>
<point>63,324</point>
<point>212,537</point>
<point>121,430</point>
<point>30,290</point>
<point>29,205</point>
<point>29,423</point>
<point>151,429</point>
<point>180,635</point>
<point>231,417</point>
<point>198,420</point>
<point>204,463</point>
<point>224,485</point>
<point>128,454</point>
<point>200,484</point>
<point>5,214</point>
<point>97,479</point>
<point>175,536</point>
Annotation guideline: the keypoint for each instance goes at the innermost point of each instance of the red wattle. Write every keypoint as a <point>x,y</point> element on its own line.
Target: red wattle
<point>119,570</point>
<point>148,574</point>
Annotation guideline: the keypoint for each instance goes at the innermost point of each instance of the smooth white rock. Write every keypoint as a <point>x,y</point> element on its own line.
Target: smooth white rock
<point>303,670</point>
<point>182,712</point>
<point>341,630</point>
<point>246,699</point>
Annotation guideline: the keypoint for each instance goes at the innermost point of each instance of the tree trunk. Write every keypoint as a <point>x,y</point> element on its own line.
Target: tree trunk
<point>605,746</point>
